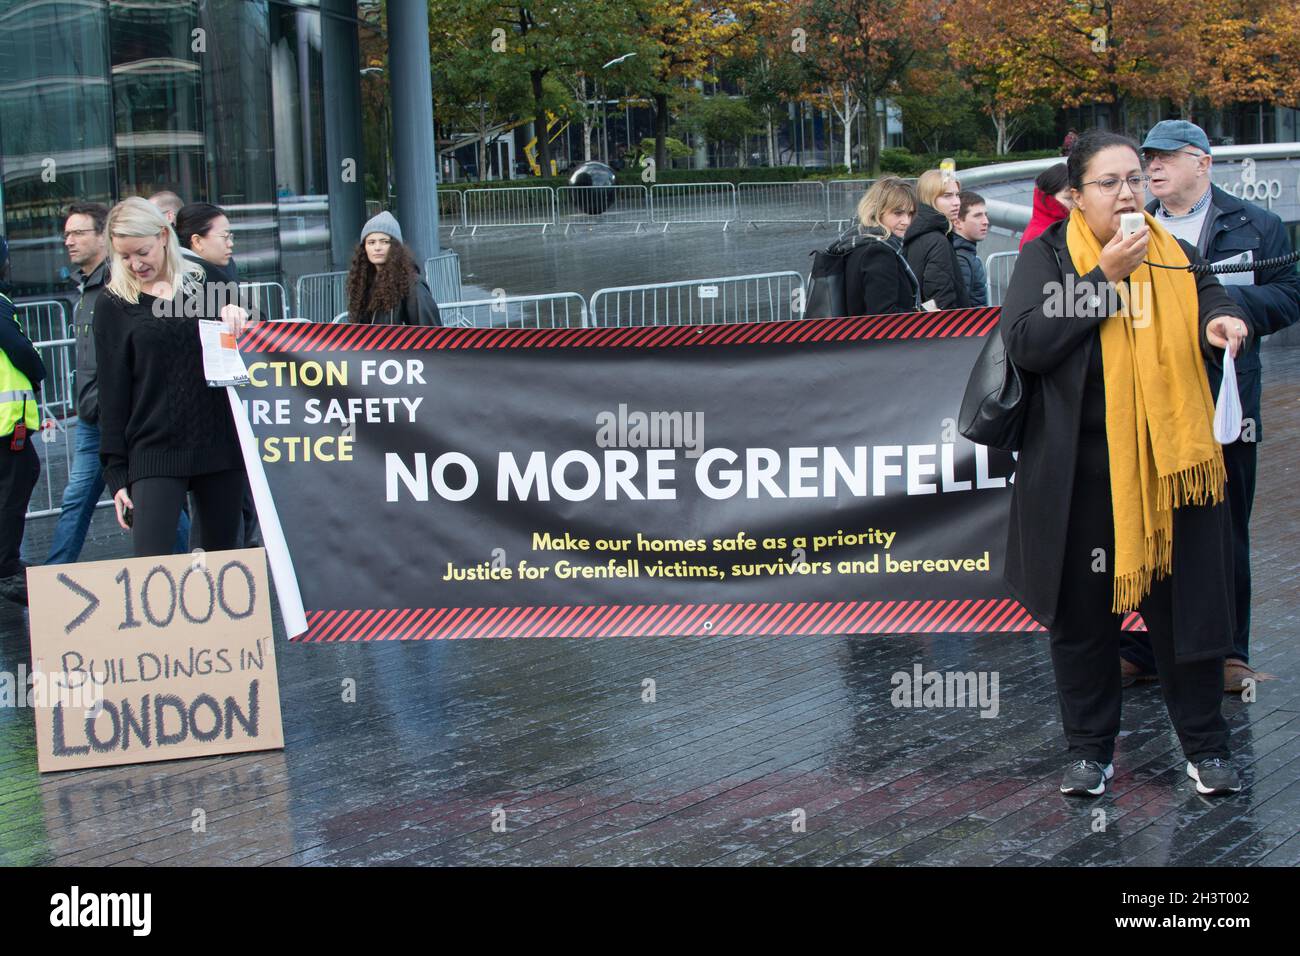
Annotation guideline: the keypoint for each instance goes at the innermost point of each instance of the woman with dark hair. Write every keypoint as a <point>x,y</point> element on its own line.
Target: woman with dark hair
<point>384,285</point>
<point>205,236</point>
<point>1118,503</point>
<point>1052,201</point>
<point>206,239</point>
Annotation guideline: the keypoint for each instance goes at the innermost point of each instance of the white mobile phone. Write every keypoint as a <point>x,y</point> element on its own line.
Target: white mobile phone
<point>1131,222</point>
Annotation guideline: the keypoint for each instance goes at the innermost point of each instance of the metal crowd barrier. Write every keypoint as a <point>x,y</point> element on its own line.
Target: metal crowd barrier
<point>782,202</point>
<point>999,267</point>
<point>321,295</point>
<point>602,206</point>
<point>269,300</point>
<point>451,209</point>
<point>692,202</point>
<point>44,320</point>
<point>48,322</point>
<point>842,196</point>
<point>442,272</point>
<point>764,297</point>
<point>509,206</point>
<point>54,443</point>
<point>559,310</point>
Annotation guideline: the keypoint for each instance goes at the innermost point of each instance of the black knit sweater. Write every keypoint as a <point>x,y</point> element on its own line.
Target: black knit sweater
<point>157,415</point>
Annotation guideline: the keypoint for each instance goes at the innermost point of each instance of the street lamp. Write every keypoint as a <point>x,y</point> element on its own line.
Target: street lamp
<point>627,109</point>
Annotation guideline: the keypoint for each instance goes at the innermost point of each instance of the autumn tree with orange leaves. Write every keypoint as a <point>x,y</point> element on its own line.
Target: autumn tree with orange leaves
<point>686,37</point>
<point>862,50</point>
<point>1076,53</point>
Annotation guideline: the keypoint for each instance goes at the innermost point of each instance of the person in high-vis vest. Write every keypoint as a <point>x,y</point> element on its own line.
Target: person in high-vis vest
<point>21,374</point>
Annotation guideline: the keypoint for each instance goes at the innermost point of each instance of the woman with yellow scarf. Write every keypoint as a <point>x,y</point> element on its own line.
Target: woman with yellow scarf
<point>1119,491</point>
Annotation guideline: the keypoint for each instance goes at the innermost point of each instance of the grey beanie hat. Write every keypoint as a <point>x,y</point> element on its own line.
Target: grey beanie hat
<point>384,223</point>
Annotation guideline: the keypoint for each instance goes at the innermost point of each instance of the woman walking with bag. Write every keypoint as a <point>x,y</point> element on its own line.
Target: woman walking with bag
<point>1118,499</point>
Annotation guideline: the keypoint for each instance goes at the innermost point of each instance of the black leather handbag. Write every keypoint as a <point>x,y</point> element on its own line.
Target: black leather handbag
<point>993,408</point>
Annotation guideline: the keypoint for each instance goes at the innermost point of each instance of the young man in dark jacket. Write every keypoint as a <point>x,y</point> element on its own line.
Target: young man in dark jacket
<point>1223,228</point>
<point>970,229</point>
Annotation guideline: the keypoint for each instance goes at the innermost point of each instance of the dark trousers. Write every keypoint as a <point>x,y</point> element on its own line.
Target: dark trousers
<point>217,509</point>
<point>250,532</point>
<point>19,471</point>
<point>1085,639</point>
<point>1240,460</point>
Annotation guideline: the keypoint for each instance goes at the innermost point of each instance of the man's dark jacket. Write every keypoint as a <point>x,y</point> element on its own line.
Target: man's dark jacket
<point>89,288</point>
<point>972,270</point>
<point>1271,304</point>
<point>1056,350</point>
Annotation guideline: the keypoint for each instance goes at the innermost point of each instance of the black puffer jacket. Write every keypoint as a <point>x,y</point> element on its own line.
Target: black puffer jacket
<point>877,280</point>
<point>933,259</point>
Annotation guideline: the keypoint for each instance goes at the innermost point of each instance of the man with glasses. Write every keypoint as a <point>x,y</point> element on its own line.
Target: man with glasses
<point>1176,155</point>
<point>83,237</point>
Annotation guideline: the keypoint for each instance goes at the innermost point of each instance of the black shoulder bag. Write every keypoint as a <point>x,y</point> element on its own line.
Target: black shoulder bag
<point>993,408</point>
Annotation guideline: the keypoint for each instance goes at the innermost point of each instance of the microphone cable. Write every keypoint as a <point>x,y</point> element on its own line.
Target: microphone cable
<point>1224,268</point>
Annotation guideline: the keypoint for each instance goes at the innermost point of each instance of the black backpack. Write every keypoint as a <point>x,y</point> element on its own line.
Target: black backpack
<point>826,280</point>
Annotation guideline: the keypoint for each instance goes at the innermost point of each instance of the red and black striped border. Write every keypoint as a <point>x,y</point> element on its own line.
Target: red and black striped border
<point>989,615</point>
<point>315,337</point>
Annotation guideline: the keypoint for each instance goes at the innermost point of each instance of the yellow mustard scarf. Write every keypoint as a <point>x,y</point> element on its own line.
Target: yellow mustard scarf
<point>1159,413</point>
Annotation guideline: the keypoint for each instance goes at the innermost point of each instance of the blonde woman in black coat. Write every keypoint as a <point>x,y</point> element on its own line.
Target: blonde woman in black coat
<point>928,242</point>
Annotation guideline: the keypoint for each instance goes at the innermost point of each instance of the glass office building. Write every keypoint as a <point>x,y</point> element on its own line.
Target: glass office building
<point>249,104</point>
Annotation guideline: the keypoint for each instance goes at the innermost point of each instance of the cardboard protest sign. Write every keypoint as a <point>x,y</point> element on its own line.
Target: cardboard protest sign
<point>160,658</point>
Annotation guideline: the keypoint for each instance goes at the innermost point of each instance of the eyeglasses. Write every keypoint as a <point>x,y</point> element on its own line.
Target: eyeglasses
<point>1166,155</point>
<point>224,236</point>
<point>1110,186</point>
<point>75,233</point>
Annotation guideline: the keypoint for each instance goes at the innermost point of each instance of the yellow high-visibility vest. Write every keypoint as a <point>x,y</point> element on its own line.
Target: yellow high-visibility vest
<point>17,399</point>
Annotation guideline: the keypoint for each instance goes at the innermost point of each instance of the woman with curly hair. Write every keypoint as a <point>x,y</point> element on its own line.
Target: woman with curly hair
<point>384,285</point>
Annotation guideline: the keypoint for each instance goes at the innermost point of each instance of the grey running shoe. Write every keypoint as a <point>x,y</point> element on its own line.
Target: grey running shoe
<point>1086,778</point>
<point>1214,775</point>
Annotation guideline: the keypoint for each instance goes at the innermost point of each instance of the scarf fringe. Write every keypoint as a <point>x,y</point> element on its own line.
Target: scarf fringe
<point>1198,484</point>
<point>1131,588</point>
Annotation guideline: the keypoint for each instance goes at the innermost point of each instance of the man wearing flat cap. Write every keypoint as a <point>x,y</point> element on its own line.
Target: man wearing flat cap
<point>1223,228</point>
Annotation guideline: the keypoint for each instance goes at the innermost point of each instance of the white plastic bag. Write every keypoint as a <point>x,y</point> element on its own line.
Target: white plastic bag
<point>1227,410</point>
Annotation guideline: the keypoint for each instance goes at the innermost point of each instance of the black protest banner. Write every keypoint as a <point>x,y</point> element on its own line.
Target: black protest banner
<point>802,477</point>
